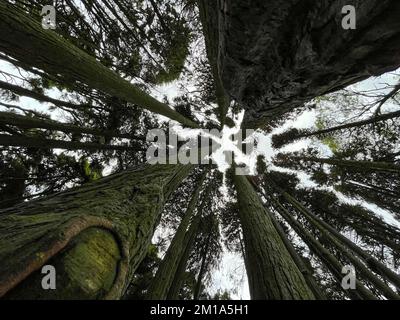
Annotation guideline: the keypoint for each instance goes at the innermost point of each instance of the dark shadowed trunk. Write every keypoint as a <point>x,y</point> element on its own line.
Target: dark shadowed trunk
<point>276,55</point>
<point>164,277</point>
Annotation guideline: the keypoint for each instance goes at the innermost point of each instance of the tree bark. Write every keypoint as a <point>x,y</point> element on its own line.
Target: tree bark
<point>354,164</point>
<point>164,277</point>
<point>23,38</point>
<point>276,55</point>
<point>32,122</point>
<point>202,271</point>
<point>271,271</point>
<point>126,205</point>
<point>307,133</point>
<point>190,237</point>
<point>37,96</point>
<point>373,263</point>
<point>40,143</point>
<point>329,260</point>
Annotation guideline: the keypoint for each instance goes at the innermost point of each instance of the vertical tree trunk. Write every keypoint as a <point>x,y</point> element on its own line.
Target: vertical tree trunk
<point>126,206</point>
<point>164,277</point>
<point>271,271</point>
<point>190,238</point>
<point>202,270</point>
<point>328,259</point>
<point>9,118</point>
<point>23,38</point>
<point>276,55</point>
<point>373,263</point>
<point>40,143</point>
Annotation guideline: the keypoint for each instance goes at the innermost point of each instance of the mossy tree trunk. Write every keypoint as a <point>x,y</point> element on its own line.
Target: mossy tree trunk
<point>122,209</point>
<point>271,271</point>
<point>164,276</point>
<point>190,237</point>
<point>23,38</point>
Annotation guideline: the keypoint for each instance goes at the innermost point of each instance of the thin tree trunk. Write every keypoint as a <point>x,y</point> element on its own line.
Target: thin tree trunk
<point>32,122</point>
<point>37,96</point>
<point>373,263</point>
<point>329,260</point>
<point>204,257</point>
<point>271,271</point>
<point>308,133</point>
<point>355,164</point>
<point>126,205</point>
<point>162,281</point>
<point>190,238</point>
<point>23,38</point>
<point>276,55</point>
<point>40,143</point>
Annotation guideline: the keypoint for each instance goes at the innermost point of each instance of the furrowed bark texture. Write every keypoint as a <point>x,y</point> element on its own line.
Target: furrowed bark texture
<point>272,273</point>
<point>23,38</point>
<point>164,277</point>
<point>276,55</point>
<point>126,205</point>
<point>210,26</point>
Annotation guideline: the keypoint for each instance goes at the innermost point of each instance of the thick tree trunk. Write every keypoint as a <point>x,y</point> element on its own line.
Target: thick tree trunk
<point>23,38</point>
<point>276,55</point>
<point>20,121</point>
<point>40,143</point>
<point>164,277</point>
<point>271,271</point>
<point>189,241</point>
<point>123,209</point>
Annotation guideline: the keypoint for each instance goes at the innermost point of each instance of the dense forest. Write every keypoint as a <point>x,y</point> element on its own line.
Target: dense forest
<point>316,216</point>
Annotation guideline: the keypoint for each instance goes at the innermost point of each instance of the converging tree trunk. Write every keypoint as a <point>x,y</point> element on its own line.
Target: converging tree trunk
<point>190,237</point>
<point>23,38</point>
<point>96,235</point>
<point>41,143</point>
<point>271,271</point>
<point>164,277</point>
<point>9,118</point>
<point>276,55</point>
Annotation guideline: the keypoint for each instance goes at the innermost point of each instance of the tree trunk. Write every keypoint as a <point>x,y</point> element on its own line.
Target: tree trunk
<point>276,55</point>
<point>123,209</point>
<point>190,238</point>
<point>354,164</point>
<point>37,96</point>
<point>202,271</point>
<point>40,143</point>
<point>277,143</point>
<point>373,263</point>
<point>20,121</point>
<point>164,277</point>
<point>328,259</point>
<point>271,271</point>
<point>23,38</point>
